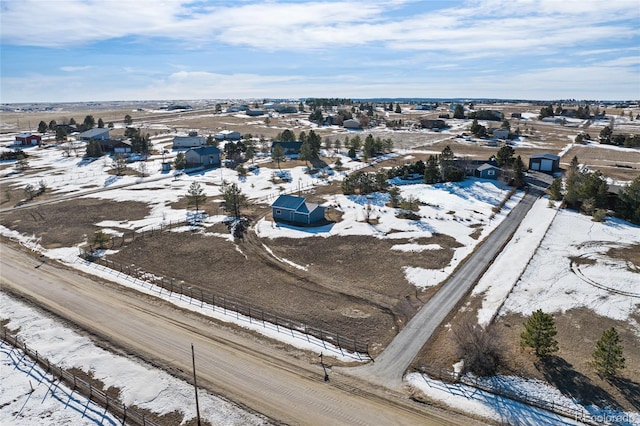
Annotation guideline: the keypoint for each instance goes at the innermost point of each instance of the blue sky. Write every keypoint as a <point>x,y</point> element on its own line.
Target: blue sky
<point>86,50</point>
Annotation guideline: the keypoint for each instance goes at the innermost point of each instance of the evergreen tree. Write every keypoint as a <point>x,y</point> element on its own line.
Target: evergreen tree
<point>458,112</point>
<point>607,356</point>
<point>250,153</point>
<point>195,195</point>
<point>100,123</point>
<point>42,127</point>
<point>555,190</point>
<point>72,122</point>
<point>432,171</point>
<point>306,153</point>
<point>518,172</point>
<point>234,199</point>
<point>119,164</point>
<point>94,149</point>
<point>61,134</point>
<point>22,163</point>
<point>629,201</point>
<point>368,151</point>
<point>394,196</point>
<point>286,136</point>
<point>446,163</point>
<point>277,154</point>
<point>180,161</point>
<point>128,120</point>
<point>398,109</point>
<point>504,156</point>
<point>539,333</point>
<point>315,141</point>
<point>100,239</point>
<point>89,122</point>
<point>53,125</point>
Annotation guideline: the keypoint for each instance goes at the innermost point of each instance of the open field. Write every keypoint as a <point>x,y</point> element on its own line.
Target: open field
<point>362,280</point>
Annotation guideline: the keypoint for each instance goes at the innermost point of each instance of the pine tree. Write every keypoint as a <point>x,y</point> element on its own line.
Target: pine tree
<point>518,171</point>
<point>100,123</point>
<point>277,154</point>
<point>180,161</point>
<point>539,332</point>
<point>306,153</point>
<point>234,199</point>
<point>555,190</point>
<point>42,127</point>
<point>431,171</point>
<point>195,195</point>
<point>607,356</point>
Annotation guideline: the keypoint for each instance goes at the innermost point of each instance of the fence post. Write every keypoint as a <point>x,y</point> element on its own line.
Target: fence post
<point>250,315</point>
<point>306,332</point>
<point>277,329</point>
<point>201,298</point>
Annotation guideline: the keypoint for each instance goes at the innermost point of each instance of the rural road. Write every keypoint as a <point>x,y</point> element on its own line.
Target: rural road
<point>390,365</point>
<point>232,363</point>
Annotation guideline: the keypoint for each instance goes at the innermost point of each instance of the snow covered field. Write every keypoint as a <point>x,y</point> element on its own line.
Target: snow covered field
<point>141,385</point>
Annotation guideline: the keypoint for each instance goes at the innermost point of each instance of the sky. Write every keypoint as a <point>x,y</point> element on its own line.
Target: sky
<point>107,50</point>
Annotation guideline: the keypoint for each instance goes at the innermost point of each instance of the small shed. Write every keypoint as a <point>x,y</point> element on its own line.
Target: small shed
<point>547,163</point>
<point>206,156</point>
<point>295,209</point>
<point>488,171</point>
<point>501,133</point>
<point>28,139</point>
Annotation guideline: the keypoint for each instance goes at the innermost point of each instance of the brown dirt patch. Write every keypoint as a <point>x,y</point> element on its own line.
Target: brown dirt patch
<point>570,369</point>
<point>629,253</point>
<point>67,223</point>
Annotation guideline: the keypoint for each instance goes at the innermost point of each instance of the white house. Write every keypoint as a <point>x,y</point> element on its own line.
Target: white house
<point>190,141</point>
<point>351,124</point>
<point>228,135</point>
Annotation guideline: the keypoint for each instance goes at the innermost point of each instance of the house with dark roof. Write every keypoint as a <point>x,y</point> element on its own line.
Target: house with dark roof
<point>115,146</point>
<point>290,148</point>
<point>290,208</point>
<point>546,163</point>
<point>96,134</point>
<point>488,171</point>
<point>206,156</point>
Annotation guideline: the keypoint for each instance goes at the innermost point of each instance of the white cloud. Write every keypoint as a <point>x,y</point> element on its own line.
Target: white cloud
<point>74,69</point>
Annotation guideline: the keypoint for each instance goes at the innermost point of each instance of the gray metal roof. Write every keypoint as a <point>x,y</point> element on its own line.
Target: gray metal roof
<point>288,202</point>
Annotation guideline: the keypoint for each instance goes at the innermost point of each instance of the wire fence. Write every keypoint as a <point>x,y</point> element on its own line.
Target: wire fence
<point>129,237</point>
<point>229,306</point>
<point>497,388</point>
<point>113,405</point>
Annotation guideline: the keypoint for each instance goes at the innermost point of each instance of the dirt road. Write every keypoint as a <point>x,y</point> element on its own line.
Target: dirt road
<point>256,375</point>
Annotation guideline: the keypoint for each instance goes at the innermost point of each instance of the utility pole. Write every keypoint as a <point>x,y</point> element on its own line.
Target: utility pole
<point>195,385</point>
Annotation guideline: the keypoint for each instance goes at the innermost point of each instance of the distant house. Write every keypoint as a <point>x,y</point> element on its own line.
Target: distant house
<point>547,163</point>
<point>206,156</point>
<point>96,134</point>
<point>428,123</point>
<point>190,141</point>
<point>290,148</point>
<point>228,135</point>
<point>516,115</point>
<point>351,124</point>
<point>28,139</point>
<point>487,171</point>
<point>500,133</point>
<point>296,209</point>
<point>285,109</point>
<point>254,112</point>
<point>68,129</point>
<point>115,146</point>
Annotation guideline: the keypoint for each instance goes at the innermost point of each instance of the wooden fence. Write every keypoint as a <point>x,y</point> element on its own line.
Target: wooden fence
<point>439,373</point>
<point>229,306</point>
<point>113,405</point>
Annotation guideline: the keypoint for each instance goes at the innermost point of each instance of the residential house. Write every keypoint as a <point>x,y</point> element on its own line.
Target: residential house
<point>97,134</point>
<point>206,156</point>
<point>255,112</point>
<point>438,124</point>
<point>290,148</point>
<point>291,208</point>
<point>487,171</point>
<point>115,146</point>
<point>228,135</point>
<point>28,139</point>
<point>516,115</point>
<point>501,133</point>
<point>351,124</point>
<point>190,141</point>
<point>547,163</point>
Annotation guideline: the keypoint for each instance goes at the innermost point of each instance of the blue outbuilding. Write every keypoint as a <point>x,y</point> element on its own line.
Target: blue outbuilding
<point>291,208</point>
